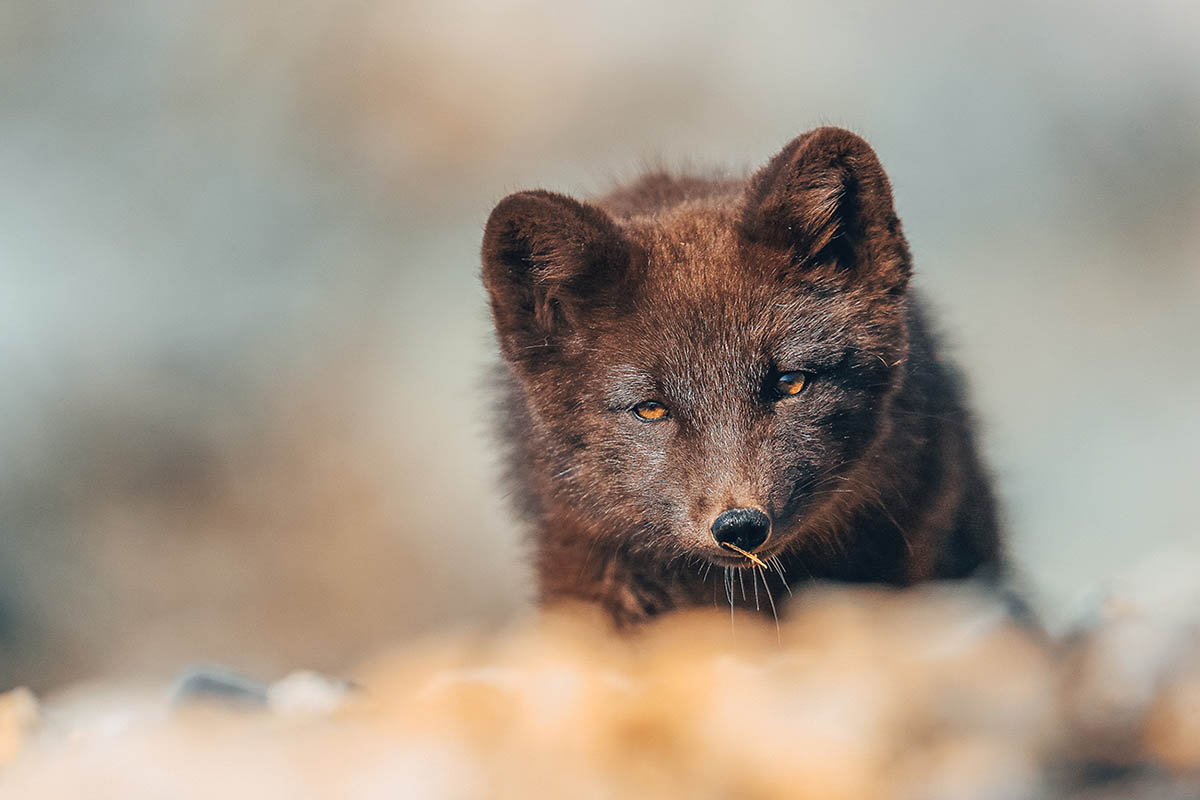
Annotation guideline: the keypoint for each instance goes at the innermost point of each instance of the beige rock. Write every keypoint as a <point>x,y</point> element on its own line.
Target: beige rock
<point>19,717</point>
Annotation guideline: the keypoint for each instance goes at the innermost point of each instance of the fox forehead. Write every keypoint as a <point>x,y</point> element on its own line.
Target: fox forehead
<point>694,249</point>
<point>672,318</point>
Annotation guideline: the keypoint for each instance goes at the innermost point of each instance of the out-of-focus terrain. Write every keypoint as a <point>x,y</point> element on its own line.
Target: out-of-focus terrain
<point>243,348</point>
<point>931,693</point>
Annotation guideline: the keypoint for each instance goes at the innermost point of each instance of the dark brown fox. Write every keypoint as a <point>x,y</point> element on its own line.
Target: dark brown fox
<point>697,369</point>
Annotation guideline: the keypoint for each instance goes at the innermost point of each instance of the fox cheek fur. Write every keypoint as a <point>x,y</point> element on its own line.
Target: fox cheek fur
<point>699,297</point>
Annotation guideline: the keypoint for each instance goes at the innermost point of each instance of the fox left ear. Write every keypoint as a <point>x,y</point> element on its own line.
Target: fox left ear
<point>547,259</point>
<point>827,199</point>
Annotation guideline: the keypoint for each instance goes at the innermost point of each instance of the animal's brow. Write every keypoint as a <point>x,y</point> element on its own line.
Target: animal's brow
<point>811,353</point>
<point>626,385</point>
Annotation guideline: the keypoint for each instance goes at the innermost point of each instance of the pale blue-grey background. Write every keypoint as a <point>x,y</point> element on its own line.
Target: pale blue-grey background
<point>243,347</point>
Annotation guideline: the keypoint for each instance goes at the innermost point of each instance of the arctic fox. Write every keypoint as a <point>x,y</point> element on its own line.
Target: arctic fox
<point>711,384</point>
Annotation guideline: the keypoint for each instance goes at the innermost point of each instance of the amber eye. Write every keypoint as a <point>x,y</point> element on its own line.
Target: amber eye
<point>790,383</point>
<point>650,411</point>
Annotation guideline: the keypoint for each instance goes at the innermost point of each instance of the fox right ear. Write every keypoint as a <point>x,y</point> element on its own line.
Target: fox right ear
<point>546,259</point>
<point>826,198</point>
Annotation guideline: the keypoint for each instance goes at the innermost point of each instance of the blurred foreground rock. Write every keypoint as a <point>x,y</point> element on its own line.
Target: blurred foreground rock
<point>864,693</point>
<point>19,714</point>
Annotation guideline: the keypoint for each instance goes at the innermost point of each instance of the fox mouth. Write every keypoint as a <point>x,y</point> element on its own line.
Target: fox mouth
<point>746,554</point>
<point>729,558</point>
<point>737,562</point>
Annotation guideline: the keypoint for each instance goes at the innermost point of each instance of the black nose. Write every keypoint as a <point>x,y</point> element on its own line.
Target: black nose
<point>746,528</point>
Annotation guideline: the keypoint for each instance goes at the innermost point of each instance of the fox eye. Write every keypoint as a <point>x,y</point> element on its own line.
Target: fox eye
<point>790,383</point>
<point>650,411</point>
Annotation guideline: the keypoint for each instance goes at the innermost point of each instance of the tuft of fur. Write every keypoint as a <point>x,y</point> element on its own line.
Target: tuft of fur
<point>696,294</point>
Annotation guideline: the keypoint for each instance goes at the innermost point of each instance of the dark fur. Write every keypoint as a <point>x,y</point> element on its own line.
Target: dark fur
<point>695,293</point>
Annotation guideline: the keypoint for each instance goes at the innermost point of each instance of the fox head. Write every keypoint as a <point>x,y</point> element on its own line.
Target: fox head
<point>712,371</point>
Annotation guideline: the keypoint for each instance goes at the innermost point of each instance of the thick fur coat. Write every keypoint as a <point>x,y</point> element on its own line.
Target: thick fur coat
<point>683,346</point>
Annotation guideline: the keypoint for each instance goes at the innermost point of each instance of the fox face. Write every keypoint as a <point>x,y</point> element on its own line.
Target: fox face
<point>707,377</point>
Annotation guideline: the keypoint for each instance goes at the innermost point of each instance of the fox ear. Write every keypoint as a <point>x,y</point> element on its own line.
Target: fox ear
<point>546,258</point>
<point>827,199</point>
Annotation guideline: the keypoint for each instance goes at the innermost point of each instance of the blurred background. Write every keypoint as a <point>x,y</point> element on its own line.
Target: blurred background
<point>242,336</point>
